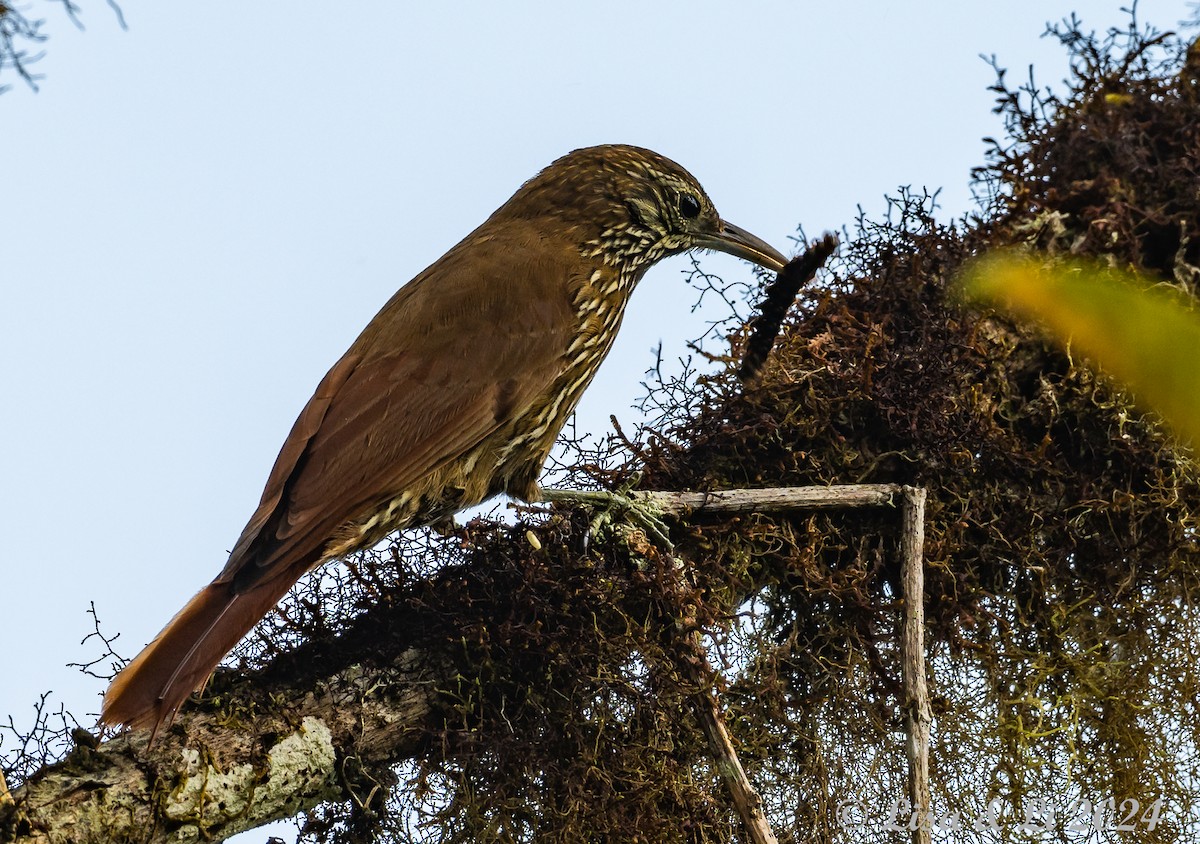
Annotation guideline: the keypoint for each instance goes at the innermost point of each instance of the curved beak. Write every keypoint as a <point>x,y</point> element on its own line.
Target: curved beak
<point>740,243</point>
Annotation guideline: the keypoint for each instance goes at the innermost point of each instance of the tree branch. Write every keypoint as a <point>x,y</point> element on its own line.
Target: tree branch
<point>767,500</point>
<point>214,773</point>
<point>917,711</point>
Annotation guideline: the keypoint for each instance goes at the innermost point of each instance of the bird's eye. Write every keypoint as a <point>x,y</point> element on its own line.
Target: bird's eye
<point>689,206</point>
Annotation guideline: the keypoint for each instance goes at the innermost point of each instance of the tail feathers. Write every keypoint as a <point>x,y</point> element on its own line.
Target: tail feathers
<point>181,658</point>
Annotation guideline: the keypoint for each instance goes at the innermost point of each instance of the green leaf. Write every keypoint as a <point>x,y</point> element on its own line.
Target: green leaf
<point>1145,335</point>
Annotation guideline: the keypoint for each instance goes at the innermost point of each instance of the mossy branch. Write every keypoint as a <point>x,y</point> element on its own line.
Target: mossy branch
<point>228,765</point>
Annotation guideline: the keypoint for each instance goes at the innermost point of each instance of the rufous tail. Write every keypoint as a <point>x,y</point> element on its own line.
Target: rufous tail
<point>180,659</point>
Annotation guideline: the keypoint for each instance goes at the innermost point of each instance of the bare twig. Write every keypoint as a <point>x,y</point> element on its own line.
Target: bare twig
<point>773,499</point>
<point>917,711</point>
<point>766,500</point>
<point>745,798</point>
<point>695,664</point>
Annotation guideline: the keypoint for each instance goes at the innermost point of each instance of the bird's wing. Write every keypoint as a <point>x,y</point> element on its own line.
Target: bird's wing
<point>442,366</point>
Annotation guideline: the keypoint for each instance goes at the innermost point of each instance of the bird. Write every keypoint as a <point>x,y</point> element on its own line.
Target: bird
<point>453,393</point>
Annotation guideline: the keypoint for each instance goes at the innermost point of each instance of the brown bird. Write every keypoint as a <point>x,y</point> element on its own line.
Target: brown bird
<point>453,393</point>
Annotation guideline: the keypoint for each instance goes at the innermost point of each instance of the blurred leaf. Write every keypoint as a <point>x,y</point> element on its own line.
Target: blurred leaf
<point>1145,335</point>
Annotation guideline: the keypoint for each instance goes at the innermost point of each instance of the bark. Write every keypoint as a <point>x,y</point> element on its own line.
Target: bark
<point>774,499</point>
<point>215,773</point>
<point>918,713</point>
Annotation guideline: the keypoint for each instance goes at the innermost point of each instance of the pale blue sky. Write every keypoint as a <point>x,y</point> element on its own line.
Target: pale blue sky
<point>201,212</point>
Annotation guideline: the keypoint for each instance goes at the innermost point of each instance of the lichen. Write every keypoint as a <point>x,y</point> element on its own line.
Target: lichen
<point>300,765</point>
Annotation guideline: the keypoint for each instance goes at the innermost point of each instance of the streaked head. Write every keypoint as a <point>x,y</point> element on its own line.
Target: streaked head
<point>635,207</point>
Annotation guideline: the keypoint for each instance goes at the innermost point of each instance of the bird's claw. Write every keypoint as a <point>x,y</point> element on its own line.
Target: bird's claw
<point>638,512</point>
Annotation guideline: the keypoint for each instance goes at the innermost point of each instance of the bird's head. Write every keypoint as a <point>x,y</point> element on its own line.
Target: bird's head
<point>634,207</point>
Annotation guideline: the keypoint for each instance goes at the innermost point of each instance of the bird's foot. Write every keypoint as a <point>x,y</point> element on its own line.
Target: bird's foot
<point>606,505</point>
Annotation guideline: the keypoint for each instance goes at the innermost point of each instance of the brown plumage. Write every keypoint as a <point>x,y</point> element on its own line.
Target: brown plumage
<point>453,393</point>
